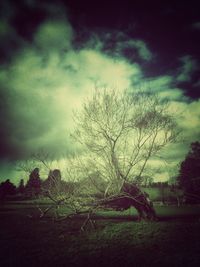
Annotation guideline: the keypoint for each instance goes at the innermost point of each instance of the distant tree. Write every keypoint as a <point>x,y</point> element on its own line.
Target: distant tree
<point>53,183</point>
<point>7,188</point>
<point>21,187</point>
<point>144,181</point>
<point>33,186</point>
<point>189,174</point>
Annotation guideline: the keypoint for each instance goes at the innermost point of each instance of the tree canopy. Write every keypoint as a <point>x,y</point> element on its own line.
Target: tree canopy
<point>121,131</point>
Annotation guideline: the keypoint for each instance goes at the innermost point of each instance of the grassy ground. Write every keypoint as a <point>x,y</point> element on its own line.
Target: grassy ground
<point>119,239</point>
<point>159,194</point>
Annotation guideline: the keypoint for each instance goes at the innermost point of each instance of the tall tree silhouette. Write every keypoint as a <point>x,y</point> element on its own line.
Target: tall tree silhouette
<point>189,175</point>
<point>33,186</point>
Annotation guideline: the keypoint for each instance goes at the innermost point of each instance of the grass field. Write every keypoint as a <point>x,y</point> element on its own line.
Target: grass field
<point>119,239</point>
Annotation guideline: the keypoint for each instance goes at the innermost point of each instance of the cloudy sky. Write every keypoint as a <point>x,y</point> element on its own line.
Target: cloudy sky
<point>53,55</point>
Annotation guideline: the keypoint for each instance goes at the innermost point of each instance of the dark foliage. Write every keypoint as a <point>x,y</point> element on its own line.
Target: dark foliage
<point>55,185</point>
<point>33,186</point>
<point>189,174</point>
<point>7,188</point>
<point>21,187</point>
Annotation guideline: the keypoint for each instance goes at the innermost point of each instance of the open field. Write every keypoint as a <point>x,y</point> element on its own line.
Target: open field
<point>119,240</point>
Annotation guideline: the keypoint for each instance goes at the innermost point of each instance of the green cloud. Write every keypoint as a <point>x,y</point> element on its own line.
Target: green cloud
<point>117,42</point>
<point>54,35</point>
<point>164,86</point>
<point>160,83</point>
<point>142,49</point>
<point>189,65</point>
<point>138,46</point>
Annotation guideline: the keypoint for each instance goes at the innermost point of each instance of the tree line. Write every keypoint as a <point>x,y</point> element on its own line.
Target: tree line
<point>188,180</point>
<point>35,186</point>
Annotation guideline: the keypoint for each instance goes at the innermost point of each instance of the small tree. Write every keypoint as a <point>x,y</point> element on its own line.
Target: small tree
<point>189,174</point>
<point>33,186</point>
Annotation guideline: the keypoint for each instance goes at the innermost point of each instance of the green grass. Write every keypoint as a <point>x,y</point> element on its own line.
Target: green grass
<point>119,240</point>
<point>157,194</point>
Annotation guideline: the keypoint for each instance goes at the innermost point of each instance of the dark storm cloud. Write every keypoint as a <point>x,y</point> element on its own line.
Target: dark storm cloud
<point>45,80</point>
<point>19,21</point>
<point>11,40</point>
<point>21,127</point>
<point>26,121</point>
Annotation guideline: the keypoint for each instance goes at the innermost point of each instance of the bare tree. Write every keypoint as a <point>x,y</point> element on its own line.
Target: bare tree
<point>120,132</point>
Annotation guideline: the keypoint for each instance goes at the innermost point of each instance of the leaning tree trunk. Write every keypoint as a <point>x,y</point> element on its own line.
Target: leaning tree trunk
<point>139,201</point>
<point>131,196</point>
